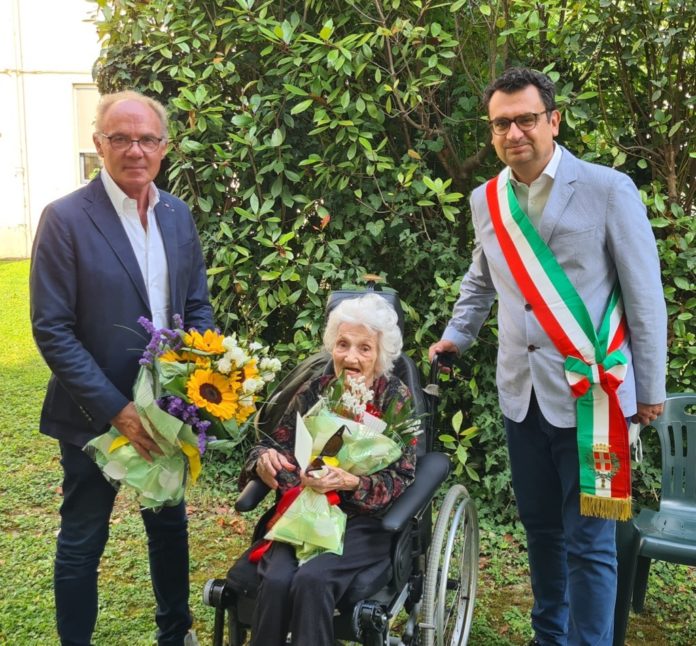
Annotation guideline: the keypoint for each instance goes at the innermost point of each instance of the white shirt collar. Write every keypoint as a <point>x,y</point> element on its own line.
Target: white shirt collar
<point>121,202</point>
<point>555,160</point>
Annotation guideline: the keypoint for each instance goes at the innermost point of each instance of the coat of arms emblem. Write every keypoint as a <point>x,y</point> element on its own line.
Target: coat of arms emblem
<point>605,464</point>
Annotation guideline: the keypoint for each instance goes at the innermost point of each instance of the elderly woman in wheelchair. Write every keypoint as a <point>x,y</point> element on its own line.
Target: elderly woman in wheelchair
<point>363,338</point>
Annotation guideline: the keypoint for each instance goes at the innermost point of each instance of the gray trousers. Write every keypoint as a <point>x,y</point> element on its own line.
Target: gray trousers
<point>301,600</point>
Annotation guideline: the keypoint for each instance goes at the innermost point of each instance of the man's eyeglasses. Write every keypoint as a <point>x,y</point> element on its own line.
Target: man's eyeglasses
<point>148,143</point>
<point>525,122</point>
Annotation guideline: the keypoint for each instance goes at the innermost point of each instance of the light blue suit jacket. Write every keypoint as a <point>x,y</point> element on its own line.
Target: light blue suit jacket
<point>596,225</point>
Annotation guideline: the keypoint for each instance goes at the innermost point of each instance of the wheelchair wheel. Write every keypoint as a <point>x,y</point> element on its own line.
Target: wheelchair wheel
<point>452,572</point>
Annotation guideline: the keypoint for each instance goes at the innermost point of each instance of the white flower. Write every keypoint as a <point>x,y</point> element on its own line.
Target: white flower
<point>268,368</point>
<point>252,385</point>
<point>356,396</point>
<point>237,356</point>
<point>229,342</point>
<point>269,365</point>
<point>224,365</point>
<point>254,346</point>
<point>246,400</point>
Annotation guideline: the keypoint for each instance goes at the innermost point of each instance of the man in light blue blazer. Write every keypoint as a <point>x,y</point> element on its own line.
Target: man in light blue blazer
<point>591,217</point>
<point>105,255</point>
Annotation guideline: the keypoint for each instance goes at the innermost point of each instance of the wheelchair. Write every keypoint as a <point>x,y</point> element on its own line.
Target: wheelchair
<point>424,594</point>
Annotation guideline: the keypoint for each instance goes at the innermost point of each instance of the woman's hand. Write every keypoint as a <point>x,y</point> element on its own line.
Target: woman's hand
<point>269,463</point>
<point>334,479</point>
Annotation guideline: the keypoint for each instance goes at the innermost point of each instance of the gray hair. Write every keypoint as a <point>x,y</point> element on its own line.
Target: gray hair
<point>108,100</point>
<point>376,314</point>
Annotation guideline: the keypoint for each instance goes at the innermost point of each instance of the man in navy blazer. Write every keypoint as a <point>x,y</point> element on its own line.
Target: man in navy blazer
<point>105,255</point>
<point>593,221</point>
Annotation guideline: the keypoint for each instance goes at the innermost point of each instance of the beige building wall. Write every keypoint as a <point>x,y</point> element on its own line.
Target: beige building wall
<point>47,50</point>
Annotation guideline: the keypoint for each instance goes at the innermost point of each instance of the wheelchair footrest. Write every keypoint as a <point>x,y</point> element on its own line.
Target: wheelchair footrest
<point>370,622</point>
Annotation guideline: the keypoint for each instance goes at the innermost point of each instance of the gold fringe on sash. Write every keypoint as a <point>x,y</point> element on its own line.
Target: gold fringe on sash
<point>609,508</point>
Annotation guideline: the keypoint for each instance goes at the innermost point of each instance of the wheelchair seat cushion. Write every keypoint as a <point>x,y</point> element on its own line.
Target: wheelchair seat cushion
<point>243,579</point>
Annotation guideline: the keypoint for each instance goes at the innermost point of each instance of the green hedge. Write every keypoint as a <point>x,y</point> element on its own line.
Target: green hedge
<point>317,141</point>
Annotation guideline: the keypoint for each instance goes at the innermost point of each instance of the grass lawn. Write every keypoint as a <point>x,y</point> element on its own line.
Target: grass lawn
<point>30,479</point>
<point>30,495</point>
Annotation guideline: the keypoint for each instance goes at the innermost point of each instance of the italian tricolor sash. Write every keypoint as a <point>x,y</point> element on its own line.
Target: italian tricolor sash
<point>594,365</point>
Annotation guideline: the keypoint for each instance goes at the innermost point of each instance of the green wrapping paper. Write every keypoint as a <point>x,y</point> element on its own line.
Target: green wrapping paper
<point>162,482</point>
<point>311,523</point>
<point>364,452</point>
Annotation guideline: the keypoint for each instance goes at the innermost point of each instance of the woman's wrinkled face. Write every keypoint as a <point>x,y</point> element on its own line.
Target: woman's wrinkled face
<point>355,352</point>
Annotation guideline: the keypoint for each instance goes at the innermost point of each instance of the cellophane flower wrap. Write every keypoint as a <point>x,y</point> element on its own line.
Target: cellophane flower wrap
<point>314,523</point>
<point>191,389</point>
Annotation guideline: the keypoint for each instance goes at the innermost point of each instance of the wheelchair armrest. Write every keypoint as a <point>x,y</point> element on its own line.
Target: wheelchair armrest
<point>431,471</point>
<point>254,492</point>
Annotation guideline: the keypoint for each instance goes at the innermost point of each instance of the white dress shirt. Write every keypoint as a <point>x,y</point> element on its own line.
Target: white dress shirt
<point>147,246</point>
<point>532,199</point>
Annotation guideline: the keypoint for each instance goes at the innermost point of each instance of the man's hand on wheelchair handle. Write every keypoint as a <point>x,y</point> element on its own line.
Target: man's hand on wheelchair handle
<point>443,346</point>
<point>269,463</point>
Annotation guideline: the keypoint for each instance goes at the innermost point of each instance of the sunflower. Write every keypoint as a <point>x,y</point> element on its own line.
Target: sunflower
<point>246,409</point>
<point>185,357</point>
<point>213,392</point>
<point>170,356</point>
<point>209,341</point>
<point>200,361</point>
<point>250,370</point>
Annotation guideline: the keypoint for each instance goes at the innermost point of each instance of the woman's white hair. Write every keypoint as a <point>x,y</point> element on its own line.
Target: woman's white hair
<point>376,314</point>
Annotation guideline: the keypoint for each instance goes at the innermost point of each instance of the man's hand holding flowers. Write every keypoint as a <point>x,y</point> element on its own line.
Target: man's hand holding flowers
<point>128,424</point>
<point>190,386</point>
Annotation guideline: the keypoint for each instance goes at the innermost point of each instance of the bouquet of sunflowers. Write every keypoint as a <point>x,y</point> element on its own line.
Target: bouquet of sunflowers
<point>191,388</point>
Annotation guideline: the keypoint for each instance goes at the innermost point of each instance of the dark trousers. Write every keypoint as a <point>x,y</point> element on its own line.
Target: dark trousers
<point>88,501</point>
<point>302,600</point>
<point>572,558</point>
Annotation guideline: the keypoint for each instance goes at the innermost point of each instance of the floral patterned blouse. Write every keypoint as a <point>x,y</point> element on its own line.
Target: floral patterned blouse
<point>375,492</point>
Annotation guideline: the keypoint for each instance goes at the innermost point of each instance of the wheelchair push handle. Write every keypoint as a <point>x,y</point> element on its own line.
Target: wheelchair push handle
<point>442,362</point>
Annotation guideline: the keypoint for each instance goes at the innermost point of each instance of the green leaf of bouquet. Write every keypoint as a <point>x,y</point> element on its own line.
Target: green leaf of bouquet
<point>226,447</point>
<point>227,430</point>
<point>170,369</point>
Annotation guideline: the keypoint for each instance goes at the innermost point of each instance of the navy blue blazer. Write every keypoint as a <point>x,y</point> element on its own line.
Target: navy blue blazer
<point>87,293</point>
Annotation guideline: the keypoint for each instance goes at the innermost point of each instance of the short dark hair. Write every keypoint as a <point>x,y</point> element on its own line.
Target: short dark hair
<point>514,79</point>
